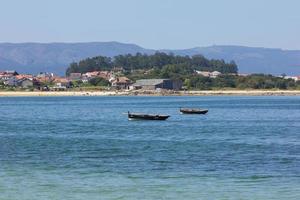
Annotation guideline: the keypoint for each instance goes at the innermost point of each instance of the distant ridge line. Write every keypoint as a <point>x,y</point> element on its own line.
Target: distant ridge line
<point>33,57</point>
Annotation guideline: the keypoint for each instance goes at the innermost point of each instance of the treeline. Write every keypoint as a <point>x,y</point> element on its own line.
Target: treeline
<point>156,61</point>
<point>255,81</point>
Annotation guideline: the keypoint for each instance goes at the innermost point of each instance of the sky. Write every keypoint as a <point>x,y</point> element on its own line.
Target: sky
<point>155,24</point>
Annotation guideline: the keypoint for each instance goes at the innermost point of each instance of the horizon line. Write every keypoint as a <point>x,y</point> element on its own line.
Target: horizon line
<point>160,49</point>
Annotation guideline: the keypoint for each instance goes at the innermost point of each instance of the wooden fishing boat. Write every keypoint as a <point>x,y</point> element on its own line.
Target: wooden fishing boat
<point>142,116</point>
<point>193,111</point>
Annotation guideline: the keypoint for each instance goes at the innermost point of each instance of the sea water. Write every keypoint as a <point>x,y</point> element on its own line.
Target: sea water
<point>85,148</point>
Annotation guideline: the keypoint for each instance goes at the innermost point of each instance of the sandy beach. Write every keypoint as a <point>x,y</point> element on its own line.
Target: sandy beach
<point>152,93</point>
<point>59,93</point>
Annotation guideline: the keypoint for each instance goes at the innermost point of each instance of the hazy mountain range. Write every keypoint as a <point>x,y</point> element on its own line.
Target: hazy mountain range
<point>55,57</point>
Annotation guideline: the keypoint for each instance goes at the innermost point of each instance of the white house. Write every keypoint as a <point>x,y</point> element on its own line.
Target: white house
<point>213,74</point>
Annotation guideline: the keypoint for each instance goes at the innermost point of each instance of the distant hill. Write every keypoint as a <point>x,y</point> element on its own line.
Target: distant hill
<point>55,57</point>
<point>252,60</point>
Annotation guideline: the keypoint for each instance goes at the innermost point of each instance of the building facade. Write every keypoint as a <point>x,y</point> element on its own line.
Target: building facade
<point>153,84</point>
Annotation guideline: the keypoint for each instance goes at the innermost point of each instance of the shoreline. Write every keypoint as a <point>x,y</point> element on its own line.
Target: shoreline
<point>152,93</point>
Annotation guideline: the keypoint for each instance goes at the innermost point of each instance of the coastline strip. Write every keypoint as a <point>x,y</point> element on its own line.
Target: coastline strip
<point>152,93</point>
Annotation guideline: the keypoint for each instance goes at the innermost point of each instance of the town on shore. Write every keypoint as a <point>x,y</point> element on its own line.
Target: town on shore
<point>140,73</point>
<point>112,81</point>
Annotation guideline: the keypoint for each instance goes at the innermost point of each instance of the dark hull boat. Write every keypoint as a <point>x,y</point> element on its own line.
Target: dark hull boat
<point>141,116</point>
<point>193,111</point>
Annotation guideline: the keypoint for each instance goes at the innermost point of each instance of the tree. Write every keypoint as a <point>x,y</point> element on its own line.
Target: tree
<point>159,60</point>
<point>98,81</point>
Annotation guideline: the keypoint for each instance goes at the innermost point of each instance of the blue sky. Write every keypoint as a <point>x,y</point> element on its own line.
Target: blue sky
<point>154,24</point>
